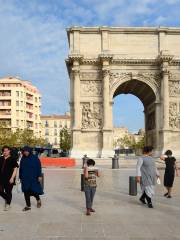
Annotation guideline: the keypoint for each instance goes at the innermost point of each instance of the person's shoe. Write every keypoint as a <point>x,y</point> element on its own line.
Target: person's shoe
<point>39,204</point>
<point>6,207</point>
<point>166,194</point>
<point>169,196</point>
<point>92,210</point>
<point>142,200</point>
<point>150,205</point>
<point>88,213</point>
<point>26,209</point>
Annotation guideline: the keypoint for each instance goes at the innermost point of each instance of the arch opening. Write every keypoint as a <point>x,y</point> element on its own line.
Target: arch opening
<point>148,98</point>
<point>139,89</point>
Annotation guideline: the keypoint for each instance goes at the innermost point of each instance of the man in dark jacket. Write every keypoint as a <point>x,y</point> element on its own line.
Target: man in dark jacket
<point>30,174</point>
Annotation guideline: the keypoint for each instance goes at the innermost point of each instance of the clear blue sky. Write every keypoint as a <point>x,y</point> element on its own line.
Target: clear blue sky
<point>33,42</point>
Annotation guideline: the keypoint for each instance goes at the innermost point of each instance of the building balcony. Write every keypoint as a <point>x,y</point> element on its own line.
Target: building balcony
<point>3,116</point>
<point>5,107</point>
<point>5,97</point>
<point>29,100</point>
<point>29,110</point>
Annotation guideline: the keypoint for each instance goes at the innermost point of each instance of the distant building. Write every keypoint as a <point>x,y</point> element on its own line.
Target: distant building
<point>20,104</point>
<point>120,133</point>
<point>52,125</point>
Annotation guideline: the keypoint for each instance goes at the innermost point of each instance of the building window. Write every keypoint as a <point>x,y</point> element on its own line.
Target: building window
<point>17,103</point>
<point>55,141</point>
<point>47,132</point>
<point>46,124</point>
<point>17,93</point>
<point>55,132</point>
<point>55,124</point>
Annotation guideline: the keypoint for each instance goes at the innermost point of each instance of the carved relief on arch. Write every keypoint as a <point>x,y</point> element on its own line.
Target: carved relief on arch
<point>91,115</point>
<point>151,79</point>
<point>174,115</point>
<point>174,88</point>
<point>91,88</point>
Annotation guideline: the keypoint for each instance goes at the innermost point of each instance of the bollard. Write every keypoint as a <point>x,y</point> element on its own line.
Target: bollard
<point>132,186</point>
<point>84,160</point>
<point>82,182</point>
<point>115,162</point>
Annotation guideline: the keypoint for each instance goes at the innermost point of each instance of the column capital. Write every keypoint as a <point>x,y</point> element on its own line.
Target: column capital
<point>165,69</point>
<point>75,58</point>
<point>165,57</point>
<point>105,58</point>
<point>75,70</point>
<point>105,71</point>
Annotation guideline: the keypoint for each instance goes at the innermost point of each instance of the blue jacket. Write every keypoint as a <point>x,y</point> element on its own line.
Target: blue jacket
<point>30,170</point>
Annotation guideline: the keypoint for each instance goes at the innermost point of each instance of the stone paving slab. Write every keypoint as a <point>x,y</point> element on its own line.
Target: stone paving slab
<point>118,215</point>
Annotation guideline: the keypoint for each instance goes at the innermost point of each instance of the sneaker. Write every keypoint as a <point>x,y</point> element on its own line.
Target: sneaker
<point>166,194</point>
<point>92,210</point>
<point>39,204</point>
<point>88,213</point>
<point>26,209</point>
<point>169,196</point>
<point>150,205</point>
<point>6,207</point>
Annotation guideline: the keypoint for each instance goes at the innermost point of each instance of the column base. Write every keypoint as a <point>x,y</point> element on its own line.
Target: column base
<point>76,153</point>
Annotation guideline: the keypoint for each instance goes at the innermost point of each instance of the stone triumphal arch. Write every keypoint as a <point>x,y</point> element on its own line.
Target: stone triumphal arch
<point>104,62</point>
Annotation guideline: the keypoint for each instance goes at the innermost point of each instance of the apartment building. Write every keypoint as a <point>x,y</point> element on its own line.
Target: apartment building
<point>20,104</point>
<point>52,125</point>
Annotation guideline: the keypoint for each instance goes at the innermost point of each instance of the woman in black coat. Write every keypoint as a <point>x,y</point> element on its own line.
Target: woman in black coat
<point>169,174</point>
<point>8,170</point>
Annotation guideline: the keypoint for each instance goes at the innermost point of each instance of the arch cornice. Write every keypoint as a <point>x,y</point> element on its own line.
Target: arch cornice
<point>153,80</point>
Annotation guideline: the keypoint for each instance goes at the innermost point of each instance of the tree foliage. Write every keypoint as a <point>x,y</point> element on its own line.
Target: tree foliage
<point>130,142</point>
<point>19,138</point>
<point>65,139</point>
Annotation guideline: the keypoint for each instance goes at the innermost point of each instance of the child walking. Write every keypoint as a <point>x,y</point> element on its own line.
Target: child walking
<point>90,174</point>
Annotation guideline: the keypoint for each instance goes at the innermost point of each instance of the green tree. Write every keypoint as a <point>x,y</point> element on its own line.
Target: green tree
<point>137,146</point>
<point>126,141</point>
<point>19,138</point>
<point>65,139</point>
<point>5,133</point>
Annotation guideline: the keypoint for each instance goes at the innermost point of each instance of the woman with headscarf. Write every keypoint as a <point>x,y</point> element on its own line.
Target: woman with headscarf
<point>30,174</point>
<point>169,174</point>
<point>147,175</point>
<point>8,170</point>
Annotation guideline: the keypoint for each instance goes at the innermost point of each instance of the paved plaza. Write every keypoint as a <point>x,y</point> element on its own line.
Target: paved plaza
<point>118,215</point>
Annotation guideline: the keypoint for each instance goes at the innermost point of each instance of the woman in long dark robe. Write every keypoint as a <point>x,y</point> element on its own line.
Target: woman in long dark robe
<point>30,175</point>
<point>169,174</point>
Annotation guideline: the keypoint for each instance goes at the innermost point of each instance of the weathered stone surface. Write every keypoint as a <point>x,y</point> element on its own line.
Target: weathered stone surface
<point>107,61</point>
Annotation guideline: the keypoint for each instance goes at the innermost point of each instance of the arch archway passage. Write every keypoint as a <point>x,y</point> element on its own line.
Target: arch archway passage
<point>104,62</point>
<point>148,98</point>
